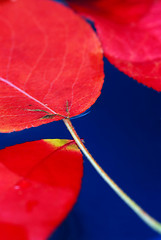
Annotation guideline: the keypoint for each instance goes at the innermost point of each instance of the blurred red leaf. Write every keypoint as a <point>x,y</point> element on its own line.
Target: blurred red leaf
<point>50,60</point>
<point>130,32</point>
<point>39,183</point>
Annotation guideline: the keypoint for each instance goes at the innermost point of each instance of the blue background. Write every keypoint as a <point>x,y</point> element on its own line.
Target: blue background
<point>123,133</point>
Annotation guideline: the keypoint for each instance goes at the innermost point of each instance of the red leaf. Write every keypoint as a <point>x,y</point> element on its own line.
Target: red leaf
<point>130,32</point>
<point>39,183</point>
<point>50,60</point>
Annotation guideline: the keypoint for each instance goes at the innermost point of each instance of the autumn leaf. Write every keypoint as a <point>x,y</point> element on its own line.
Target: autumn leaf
<point>39,183</point>
<point>51,64</point>
<point>130,32</point>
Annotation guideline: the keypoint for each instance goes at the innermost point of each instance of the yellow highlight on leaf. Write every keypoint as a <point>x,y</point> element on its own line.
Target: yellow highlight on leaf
<point>61,142</point>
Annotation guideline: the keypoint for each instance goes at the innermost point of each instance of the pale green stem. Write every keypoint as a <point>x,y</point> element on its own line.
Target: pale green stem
<point>150,221</point>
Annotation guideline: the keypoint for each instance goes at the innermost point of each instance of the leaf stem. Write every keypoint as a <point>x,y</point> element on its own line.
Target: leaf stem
<point>150,221</point>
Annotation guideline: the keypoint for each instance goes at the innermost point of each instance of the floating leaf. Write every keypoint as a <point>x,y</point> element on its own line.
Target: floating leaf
<point>39,183</point>
<point>50,59</point>
<point>130,32</point>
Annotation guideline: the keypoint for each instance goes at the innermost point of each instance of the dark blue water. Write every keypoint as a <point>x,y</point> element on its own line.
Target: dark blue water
<point>123,133</point>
